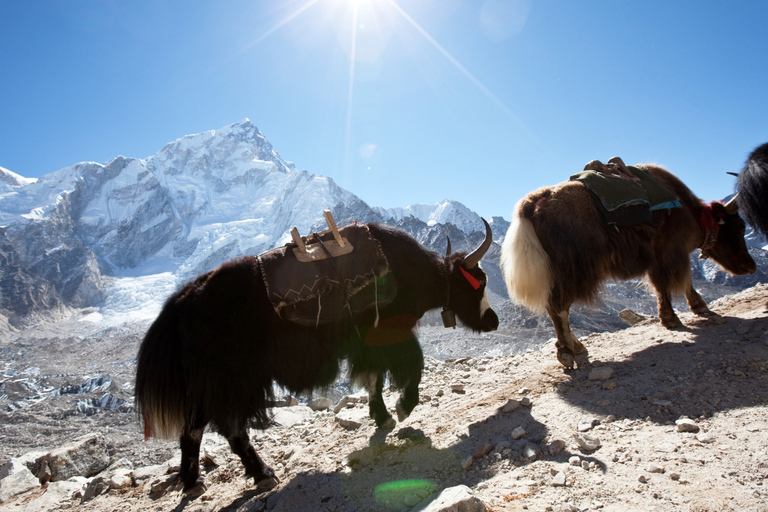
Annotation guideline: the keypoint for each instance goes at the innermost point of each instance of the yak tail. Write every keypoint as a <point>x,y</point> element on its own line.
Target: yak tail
<point>526,266</point>
<point>160,384</point>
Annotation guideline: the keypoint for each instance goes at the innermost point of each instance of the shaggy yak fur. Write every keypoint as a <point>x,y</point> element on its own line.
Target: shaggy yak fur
<point>217,348</point>
<point>753,189</point>
<point>558,250</point>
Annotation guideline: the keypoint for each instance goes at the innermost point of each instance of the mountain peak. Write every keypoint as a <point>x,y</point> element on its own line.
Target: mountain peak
<point>12,179</point>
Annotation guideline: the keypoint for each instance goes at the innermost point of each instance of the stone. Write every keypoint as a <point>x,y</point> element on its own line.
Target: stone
<point>58,494</point>
<point>456,499</point>
<point>518,433</point>
<point>510,406</point>
<point>17,479</point>
<point>147,472</point>
<point>347,401</point>
<point>686,425</point>
<point>457,388</point>
<point>86,456</point>
<point>121,479</point>
<point>481,451</point>
<point>665,448</point>
<point>290,416</point>
<point>601,373</point>
<point>559,480</point>
<point>574,460</point>
<point>556,446</point>
<point>653,468</point>
<point>467,463</point>
<point>587,425</point>
<point>587,443</point>
<point>631,317</point>
<point>531,451</point>
<point>348,422</point>
<point>98,485</point>
<point>320,404</point>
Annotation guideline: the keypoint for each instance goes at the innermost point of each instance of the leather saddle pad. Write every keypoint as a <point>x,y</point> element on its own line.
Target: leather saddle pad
<point>628,200</point>
<point>321,291</point>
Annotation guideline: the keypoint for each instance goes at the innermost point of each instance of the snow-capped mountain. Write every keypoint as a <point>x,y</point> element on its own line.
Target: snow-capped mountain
<point>199,201</point>
<point>122,235</point>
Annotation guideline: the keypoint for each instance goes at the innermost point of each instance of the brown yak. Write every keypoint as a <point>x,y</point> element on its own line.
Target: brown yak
<point>558,250</point>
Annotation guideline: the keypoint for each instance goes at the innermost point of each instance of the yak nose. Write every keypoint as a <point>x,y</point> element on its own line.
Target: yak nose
<point>490,321</point>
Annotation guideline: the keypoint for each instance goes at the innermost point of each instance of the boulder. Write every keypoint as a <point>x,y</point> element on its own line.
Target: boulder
<point>86,456</point>
<point>16,479</point>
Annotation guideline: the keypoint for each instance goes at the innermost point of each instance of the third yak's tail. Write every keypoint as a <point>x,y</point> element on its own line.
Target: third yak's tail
<point>161,388</point>
<point>526,266</point>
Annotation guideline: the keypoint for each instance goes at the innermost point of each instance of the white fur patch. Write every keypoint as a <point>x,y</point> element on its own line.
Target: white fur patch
<point>485,304</point>
<point>526,267</point>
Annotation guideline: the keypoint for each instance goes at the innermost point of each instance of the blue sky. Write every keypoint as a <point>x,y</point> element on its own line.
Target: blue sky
<point>400,101</point>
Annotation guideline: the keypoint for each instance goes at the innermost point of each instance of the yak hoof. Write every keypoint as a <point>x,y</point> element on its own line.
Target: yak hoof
<point>579,348</point>
<point>702,311</point>
<point>388,424</point>
<point>671,323</point>
<point>268,483</point>
<point>566,359</point>
<point>195,490</point>
<point>402,414</point>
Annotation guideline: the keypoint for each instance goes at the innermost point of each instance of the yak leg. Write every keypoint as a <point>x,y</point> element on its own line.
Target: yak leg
<point>405,368</point>
<point>376,406</point>
<point>262,474</point>
<point>567,343</point>
<point>695,302</point>
<point>189,471</point>
<point>664,301</point>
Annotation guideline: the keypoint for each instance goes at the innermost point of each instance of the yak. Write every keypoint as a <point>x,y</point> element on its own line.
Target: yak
<point>752,186</point>
<point>559,250</point>
<point>218,347</point>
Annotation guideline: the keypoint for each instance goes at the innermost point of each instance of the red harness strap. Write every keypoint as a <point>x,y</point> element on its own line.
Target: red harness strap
<point>710,226</point>
<point>470,278</point>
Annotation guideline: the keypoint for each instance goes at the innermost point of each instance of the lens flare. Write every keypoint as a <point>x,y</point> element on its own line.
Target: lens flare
<point>396,494</point>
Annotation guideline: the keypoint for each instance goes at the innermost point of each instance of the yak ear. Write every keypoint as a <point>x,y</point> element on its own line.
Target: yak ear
<point>474,258</point>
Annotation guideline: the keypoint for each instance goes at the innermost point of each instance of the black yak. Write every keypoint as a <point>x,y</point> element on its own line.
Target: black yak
<point>753,189</point>
<point>558,250</point>
<point>218,346</point>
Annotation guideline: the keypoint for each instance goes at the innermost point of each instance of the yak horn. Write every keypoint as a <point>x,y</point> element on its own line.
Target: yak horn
<point>732,173</point>
<point>732,206</point>
<point>448,248</point>
<point>474,258</point>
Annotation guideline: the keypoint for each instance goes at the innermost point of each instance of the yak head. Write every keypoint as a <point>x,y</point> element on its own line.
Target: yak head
<point>729,249</point>
<point>467,282</point>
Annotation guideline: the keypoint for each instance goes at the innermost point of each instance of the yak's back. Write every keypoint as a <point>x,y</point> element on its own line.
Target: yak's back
<point>327,290</point>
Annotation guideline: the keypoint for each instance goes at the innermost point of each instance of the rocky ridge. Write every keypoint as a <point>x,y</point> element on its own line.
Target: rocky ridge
<point>651,420</point>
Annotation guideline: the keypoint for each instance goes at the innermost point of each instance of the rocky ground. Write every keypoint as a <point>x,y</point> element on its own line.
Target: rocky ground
<point>651,420</point>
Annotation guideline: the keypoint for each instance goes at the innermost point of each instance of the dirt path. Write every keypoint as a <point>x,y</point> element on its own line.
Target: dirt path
<point>626,398</point>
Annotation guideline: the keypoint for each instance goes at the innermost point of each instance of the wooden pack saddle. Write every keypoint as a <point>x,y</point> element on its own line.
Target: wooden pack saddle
<point>329,276</point>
